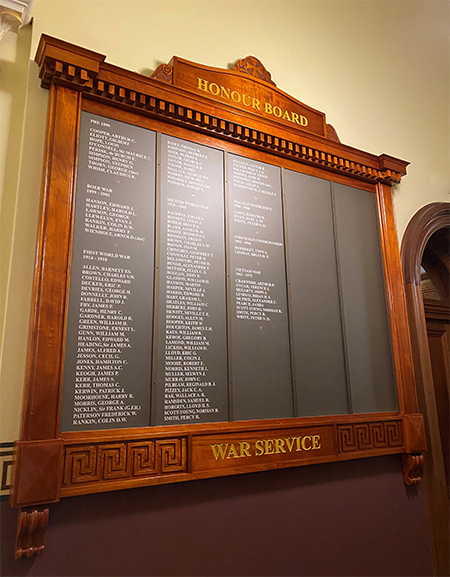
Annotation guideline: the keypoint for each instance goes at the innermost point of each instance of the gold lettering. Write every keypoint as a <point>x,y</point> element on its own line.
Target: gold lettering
<point>250,101</point>
<point>316,442</point>
<point>302,120</point>
<point>304,441</point>
<point>236,96</point>
<point>245,449</point>
<point>216,89</point>
<point>232,452</point>
<point>290,443</point>
<point>279,446</point>
<point>259,448</point>
<point>268,451</point>
<point>219,450</point>
<point>275,108</point>
<point>265,447</point>
<point>202,84</point>
<point>256,103</point>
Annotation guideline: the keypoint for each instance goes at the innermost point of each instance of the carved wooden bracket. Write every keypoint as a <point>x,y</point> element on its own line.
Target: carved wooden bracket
<point>31,527</point>
<point>412,468</point>
<point>332,134</point>
<point>414,431</point>
<point>164,72</point>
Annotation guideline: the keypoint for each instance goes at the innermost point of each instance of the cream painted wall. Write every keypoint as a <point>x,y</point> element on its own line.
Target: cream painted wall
<point>379,69</point>
<point>21,147</point>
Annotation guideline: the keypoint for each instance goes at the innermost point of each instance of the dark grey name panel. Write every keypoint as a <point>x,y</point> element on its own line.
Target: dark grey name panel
<point>191,374</point>
<point>369,354</point>
<point>260,356</point>
<point>317,345</point>
<point>224,348</point>
<point>107,369</point>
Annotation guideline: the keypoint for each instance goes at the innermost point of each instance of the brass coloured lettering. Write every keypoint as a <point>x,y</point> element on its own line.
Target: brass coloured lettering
<point>256,103</point>
<point>265,447</point>
<point>304,443</point>
<point>245,449</point>
<point>279,446</point>
<point>250,101</point>
<point>290,443</point>
<point>219,450</point>
<point>268,446</point>
<point>232,452</point>
<point>316,442</point>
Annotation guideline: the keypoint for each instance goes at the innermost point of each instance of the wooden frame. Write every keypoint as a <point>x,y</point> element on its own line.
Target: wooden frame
<point>49,464</point>
<point>423,225</point>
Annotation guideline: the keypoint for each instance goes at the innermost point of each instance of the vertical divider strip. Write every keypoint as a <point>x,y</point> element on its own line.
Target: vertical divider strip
<point>156,287</point>
<point>227,241</point>
<point>288,299</point>
<point>341,302</point>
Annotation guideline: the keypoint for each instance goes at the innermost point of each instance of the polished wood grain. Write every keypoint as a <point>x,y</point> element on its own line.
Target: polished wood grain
<point>256,451</point>
<point>30,531</point>
<point>37,472</point>
<point>412,468</point>
<point>395,291</point>
<point>40,411</point>
<point>253,67</point>
<point>414,433</point>
<point>436,310</point>
<point>248,86</point>
<point>95,461</point>
<point>156,97</point>
<point>110,460</point>
<point>427,221</point>
<point>439,345</point>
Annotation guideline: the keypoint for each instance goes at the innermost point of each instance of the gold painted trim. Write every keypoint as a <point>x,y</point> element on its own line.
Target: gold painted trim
<point>13,14</point>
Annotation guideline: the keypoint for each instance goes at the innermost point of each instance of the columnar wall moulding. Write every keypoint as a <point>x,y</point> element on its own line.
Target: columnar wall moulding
<point>14,14</point>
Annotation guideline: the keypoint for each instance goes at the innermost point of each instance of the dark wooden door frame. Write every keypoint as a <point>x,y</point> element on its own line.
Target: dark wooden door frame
<point>422,226</point>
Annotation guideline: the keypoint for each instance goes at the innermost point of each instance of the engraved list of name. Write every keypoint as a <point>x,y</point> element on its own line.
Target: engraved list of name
<point>260,376</point>
<point>191,380</point>
<point>107,371</point>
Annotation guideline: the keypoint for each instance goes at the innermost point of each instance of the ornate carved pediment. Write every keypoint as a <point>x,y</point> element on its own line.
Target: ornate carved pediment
<point>253,67</point>
<point>249,65</point>
<point>248,106</point>
<point>248,87</point>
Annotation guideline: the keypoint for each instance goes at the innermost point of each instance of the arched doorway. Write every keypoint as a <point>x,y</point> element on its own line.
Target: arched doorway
<point>426,268</point>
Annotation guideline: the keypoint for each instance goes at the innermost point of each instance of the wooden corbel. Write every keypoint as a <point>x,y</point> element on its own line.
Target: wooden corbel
<point>412,468</point>
<point>31,527</point>
<point>37,478</point>
<point>415,443</point>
